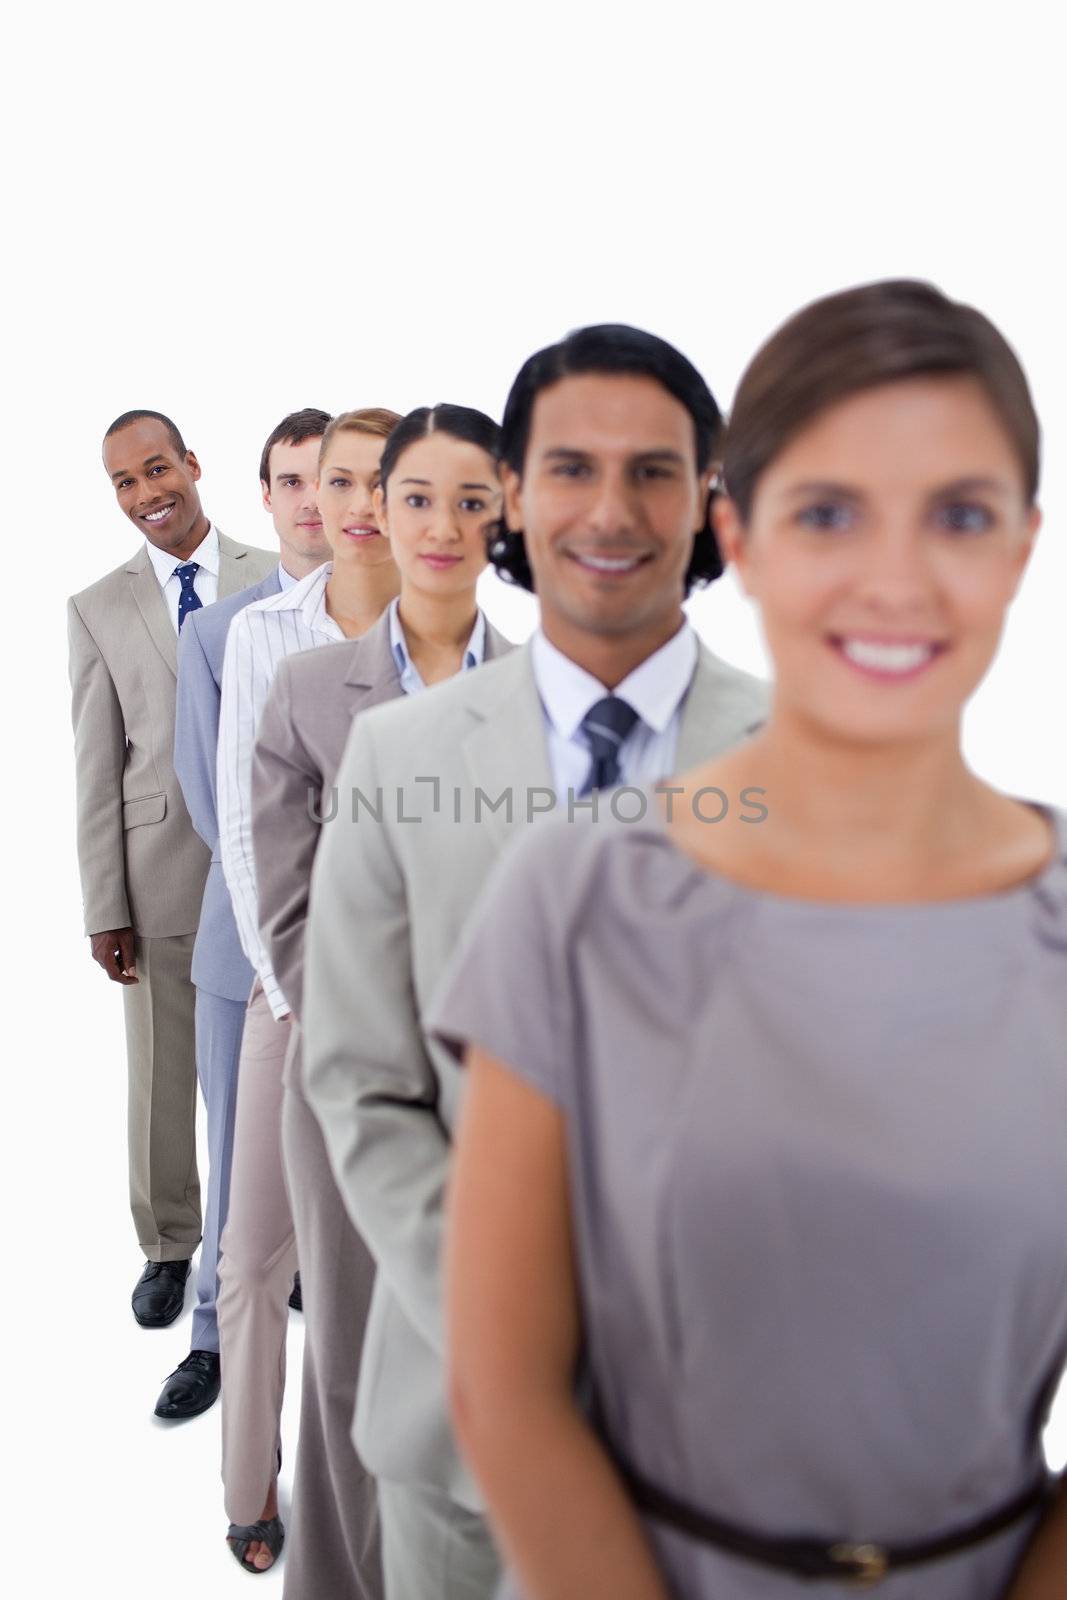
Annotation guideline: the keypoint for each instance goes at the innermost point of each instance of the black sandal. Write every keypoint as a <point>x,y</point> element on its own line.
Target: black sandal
<point>271,1533</point>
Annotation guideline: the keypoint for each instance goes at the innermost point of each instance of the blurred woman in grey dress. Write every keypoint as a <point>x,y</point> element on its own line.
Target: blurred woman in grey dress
<point>758,1277</point>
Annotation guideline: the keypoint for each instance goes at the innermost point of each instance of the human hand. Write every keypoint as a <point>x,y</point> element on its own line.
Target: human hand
<point>114,951</point>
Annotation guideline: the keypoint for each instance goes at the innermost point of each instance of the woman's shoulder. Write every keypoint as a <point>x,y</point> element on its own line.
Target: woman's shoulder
<point>618,862</point>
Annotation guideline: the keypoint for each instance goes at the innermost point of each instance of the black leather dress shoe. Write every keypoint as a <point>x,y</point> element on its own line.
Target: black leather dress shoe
<point>191,1388</point>
<point>296,1297</point>
<point>159,1294</point>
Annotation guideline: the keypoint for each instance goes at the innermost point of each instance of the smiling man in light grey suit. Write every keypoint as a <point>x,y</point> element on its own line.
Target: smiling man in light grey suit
<point>608,447</point>
<point>142,865</point>
<point>221,972</point>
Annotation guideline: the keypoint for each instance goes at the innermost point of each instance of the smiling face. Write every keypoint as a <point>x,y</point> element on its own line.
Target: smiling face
<point>610,500</point>
<point>441,499</point>
<point>884,545</point>
<point>156,486</point>
<point>348,477</point>
<point>290,499</point>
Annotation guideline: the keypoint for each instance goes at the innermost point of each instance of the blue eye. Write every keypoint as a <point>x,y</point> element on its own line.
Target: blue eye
<point>828,516</point>
<point>964,516</point>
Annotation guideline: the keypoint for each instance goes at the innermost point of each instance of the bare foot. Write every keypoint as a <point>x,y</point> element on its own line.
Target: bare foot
<point>257,1555</point>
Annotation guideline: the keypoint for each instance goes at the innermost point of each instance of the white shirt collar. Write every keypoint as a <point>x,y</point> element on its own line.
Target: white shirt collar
<point>655,688</point>
<point>205,555</point>
<point>286,581</point>
<point>408,672</point>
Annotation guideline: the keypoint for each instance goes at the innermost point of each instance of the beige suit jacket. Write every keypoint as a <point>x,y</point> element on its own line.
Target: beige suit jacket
<point>142,864</point>
<point>388,901</point>
<point>299,745</point>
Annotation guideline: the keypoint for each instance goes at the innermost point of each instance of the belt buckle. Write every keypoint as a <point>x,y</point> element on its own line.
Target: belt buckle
<point>870,1560</point>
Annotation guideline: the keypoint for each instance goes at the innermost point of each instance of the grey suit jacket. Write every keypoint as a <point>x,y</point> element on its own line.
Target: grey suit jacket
<point>142,864</point>
<point>389,898</point>
<point>220,966</point>
<point>299,745</point>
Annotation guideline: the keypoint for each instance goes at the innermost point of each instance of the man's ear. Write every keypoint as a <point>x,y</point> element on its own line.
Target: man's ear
<point>193,465</point>
<point>730,533</point>
<point>511,484</point>
<point>264,489</point>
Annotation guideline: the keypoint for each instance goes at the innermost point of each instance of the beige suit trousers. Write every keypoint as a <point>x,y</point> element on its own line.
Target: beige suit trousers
<point>334,1542</point>
<point>256,1271</point>
<point>161,1059</point>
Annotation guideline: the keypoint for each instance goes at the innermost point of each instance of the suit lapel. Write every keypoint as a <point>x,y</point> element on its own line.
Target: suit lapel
<point>495,643</point>
<point>506,749</point>
<point>231,566</point>
<point>144,586</point>
<point>713,719</point>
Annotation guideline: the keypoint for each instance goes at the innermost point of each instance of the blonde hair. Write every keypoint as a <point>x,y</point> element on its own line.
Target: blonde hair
<point>377,420</point>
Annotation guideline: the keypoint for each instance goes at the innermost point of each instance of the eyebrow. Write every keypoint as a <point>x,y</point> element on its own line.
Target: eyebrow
<point>656,454</point>
<point>149,461</point>
<point>975,484</point>
<point>424,483</point>
<point>968,485</point>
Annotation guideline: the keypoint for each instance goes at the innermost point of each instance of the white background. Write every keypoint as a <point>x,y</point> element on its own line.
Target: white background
<point>227,212</point>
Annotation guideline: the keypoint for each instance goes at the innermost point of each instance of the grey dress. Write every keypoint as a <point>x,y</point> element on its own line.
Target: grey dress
<point>818,1165</point>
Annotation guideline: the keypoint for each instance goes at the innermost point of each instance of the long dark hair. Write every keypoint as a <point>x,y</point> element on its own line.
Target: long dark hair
<point>458,422</point>
<point>607,348</point>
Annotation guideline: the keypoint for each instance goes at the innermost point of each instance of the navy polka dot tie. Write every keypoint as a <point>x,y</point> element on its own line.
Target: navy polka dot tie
<point>188,600</point>
<point>606,726</point>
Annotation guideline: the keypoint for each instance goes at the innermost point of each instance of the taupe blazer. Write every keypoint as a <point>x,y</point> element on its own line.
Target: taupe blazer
<point>389,898</point>
<point>142,864</point>
<point>300,741</point>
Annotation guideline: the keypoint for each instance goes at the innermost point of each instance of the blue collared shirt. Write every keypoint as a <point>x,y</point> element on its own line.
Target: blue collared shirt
<point>410,677</point>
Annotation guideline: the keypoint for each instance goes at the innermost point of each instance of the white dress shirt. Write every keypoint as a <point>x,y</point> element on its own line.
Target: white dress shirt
<point>259,637</point>
<point>205,582</point>
<point>409,674</point>
<point>655,690</point>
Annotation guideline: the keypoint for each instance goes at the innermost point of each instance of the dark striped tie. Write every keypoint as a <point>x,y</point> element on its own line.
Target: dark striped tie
<point>188,600</point>
<point>605,726</point>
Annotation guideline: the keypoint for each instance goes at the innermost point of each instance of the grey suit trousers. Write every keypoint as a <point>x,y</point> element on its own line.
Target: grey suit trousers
<point>219,1027</point>
<point>434,1548</point>
<point>161,1056</point>
<point>255,1271</point>
<point>333,1547</point>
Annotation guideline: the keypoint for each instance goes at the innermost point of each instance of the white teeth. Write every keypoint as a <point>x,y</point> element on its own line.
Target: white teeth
<point>157,516</point>
<point>609,563</point>
<point>887,657</point>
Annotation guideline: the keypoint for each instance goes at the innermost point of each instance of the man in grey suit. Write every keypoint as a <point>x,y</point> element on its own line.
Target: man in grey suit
<point>142,865</point>
<point>221,973</point>
<point>608,448</point>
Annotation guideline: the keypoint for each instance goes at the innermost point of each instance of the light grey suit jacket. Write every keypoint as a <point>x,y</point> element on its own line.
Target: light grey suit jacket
<point>142,864</point>
<point>220,966</point>
<point>299,745</point>
<point>388,901</point>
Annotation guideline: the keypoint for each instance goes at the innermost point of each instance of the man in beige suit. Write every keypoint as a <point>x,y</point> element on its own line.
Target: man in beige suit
<point>142,865</point>
<point>608,442</point>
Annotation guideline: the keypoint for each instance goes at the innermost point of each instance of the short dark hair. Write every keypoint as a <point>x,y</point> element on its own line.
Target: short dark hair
<point>458,422</point>
<point>859,339</point>
<point>156,416</point>
<point>296,428</point>
<point>608,348</point>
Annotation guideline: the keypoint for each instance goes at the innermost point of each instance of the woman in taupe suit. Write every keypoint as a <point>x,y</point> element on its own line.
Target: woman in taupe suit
<point>438,493</point>
<point>765,1127</point>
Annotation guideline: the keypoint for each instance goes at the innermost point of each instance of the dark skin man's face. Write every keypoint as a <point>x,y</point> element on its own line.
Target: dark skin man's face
<point>156,486</point>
